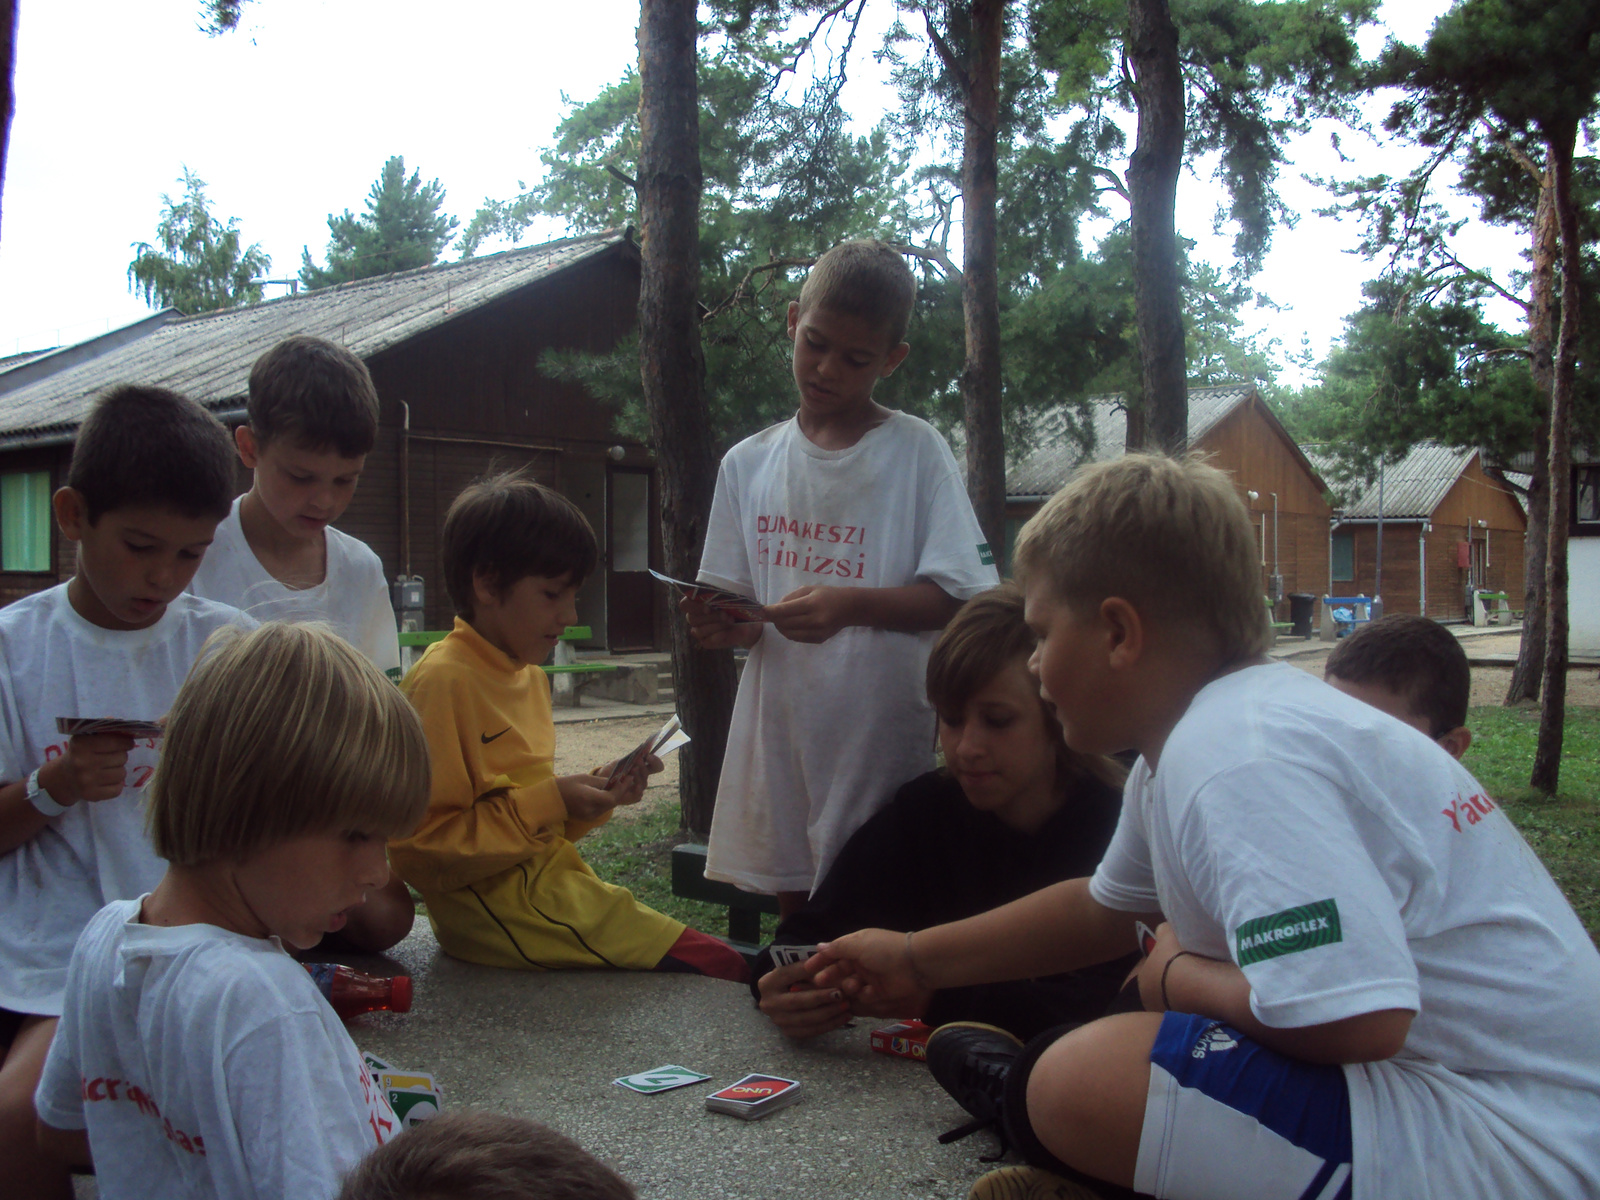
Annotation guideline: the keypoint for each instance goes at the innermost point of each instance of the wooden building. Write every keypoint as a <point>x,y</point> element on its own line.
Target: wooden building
<point>1449,524</point>
<point>1242,435</point>
<point>1583,555</point>
<point>454,351</point>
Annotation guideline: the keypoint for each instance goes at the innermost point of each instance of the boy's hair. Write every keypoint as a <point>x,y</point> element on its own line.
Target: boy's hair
<point>482,1156</point>
<point>985,636</point>
<point>1415,658</point>
<point>280,732</point>
<point>863,279</point>
<point>316,393</point>
<point>509,527</point>
<point>1168,535</point>
<point>149,447</point>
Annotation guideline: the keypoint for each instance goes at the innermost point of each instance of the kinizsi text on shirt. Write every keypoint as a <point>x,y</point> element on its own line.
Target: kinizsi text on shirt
<point>1289,932</point>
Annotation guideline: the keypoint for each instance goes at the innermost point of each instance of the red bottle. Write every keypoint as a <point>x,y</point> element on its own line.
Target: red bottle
<point>352,993</point>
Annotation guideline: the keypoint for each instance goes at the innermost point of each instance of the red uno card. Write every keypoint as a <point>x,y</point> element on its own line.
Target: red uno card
<point>754,1096</point>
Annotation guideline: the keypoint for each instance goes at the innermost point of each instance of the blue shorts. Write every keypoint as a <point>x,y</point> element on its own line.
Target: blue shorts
<point>1227,1118</point>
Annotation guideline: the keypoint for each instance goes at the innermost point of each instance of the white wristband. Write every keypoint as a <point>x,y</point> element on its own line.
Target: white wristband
<point>41,799</point>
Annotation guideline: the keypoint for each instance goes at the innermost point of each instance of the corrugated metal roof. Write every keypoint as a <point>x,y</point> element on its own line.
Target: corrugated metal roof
<point>1412,487</point>
<point>209,356</point>
<point>1058,449</point>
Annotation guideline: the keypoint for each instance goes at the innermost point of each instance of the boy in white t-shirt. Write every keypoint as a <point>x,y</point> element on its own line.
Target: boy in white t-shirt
<point>1363,982</point>
<point>150,478</point>
<point>850,524</point>
<point>313,418</point>
<point>195,1057</point>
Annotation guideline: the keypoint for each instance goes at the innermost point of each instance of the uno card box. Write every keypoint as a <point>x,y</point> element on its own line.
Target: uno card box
<point>903,1039</point>
<point>754,1096</point>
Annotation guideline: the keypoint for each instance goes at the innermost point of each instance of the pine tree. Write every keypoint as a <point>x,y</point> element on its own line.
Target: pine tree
<point>199,264</point>
<point>402,229</point>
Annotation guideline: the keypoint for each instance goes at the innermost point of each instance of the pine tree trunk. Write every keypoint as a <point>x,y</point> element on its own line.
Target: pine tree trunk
<point>1153,191</point>
<point>980,288</point>
<point>671,365</point>
<point>8,70</point>
<point>1546,774</point>
<point>1528,674</point>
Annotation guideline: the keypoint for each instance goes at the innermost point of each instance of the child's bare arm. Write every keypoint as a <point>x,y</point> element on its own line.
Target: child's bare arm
<point>816,612</point>
<point>70,1147</point>
<point>1172,977</point>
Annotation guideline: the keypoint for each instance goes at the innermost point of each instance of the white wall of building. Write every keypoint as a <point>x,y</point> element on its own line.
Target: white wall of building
<point>1583,596</point>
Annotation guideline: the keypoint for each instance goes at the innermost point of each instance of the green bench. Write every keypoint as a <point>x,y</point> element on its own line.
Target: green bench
<point>744,908</point>
<point>572,633</point>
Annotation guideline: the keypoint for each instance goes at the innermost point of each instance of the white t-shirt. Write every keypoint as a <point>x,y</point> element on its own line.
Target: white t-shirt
<point>1348,865</point>
<point>53,663</point>
<point>822,735</point>
<point>205,1064</point>
<point>352,597</point>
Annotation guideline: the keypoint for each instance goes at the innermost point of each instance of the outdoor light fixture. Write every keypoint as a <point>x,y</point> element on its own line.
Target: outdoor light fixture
<point>617,453</point>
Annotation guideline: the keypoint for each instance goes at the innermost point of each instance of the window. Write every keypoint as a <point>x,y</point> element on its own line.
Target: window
<point>25,521</point>
<point>1343,555</point>
<point>1586,495</point>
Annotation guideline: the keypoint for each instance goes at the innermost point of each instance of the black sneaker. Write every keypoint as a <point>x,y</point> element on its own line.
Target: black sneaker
<point>970,1060</point>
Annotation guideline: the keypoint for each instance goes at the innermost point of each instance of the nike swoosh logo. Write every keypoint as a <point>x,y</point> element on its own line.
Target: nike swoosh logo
<point>486,738</point>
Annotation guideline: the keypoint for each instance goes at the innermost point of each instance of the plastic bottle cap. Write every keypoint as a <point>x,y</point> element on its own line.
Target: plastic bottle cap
<point>400,994</point>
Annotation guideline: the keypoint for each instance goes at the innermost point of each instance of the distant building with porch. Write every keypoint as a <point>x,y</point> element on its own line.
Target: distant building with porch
<point>1449,524</point>
<point>454,351</point>
<point>1242,436</point>
<point>1583,555</point>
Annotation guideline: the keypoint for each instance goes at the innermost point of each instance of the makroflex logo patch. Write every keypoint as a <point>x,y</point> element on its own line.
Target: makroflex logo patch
<point>1289,932</point>
<point>985,555</point>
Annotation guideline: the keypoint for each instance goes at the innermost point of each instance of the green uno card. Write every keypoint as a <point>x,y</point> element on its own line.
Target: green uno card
<point>662,1079</point>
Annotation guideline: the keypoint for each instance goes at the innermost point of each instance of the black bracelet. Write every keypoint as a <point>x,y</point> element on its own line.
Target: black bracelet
<point>1165,1003</point>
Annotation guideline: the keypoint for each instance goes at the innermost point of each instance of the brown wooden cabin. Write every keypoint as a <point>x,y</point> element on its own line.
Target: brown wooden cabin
<point>1243,437</point>
<point>453,350</point>
<point>1449,524</point>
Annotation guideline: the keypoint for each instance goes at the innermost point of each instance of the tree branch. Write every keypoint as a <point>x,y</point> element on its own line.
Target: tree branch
<point>1486,280</point>
<point>738,294</point>
<point>633,183</point>
<point>930,253</point>
<point>948,57</point>
<point>803,46</point>
<point>1114,181</point>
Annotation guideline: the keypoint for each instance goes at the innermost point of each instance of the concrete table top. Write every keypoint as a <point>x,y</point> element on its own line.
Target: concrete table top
<point>548,1045</point>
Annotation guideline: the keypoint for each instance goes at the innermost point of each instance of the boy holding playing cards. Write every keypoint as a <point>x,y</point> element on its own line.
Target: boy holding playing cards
<point>494,857</point>
<point>850,523</point>
<point>151,475</point>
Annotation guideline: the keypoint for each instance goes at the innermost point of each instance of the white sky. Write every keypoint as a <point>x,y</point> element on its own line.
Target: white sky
<point>291,118</point>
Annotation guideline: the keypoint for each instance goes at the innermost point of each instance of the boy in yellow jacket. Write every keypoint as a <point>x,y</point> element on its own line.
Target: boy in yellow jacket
<point>494,857</point>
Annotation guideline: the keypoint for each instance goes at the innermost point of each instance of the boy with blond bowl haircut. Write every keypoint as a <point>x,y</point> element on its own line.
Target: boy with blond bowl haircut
<point>1363,983</point>
<point>494,857</point>
<point>195,1057</point>
<point>851,524</point>
<point>312,420</point>
<point>1412,668</point>
<point>150,478</point>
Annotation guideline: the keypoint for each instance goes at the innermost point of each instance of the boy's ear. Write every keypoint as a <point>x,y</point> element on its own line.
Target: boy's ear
<point>72,513</point>
<point>794,318</point>
<point>897,355</point>
<point>485,588</point>
<point>1125,632</point>
<point>244,438</point>
<point>1456,741</point>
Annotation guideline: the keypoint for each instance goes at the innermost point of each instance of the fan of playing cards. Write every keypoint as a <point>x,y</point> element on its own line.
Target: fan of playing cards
<point>742,610</point>
<point>660,743</point>
<point>83,726</point>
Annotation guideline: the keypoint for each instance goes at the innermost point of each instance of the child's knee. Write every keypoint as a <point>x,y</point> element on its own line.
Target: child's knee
<point>1087,1092</point>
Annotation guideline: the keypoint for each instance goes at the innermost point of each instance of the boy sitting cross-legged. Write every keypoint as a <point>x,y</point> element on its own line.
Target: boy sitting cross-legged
<point>150,478</point>
<point>313,418</point>
<point>1360,989</point>
<point>494,857</point>
<point>1413,669</point>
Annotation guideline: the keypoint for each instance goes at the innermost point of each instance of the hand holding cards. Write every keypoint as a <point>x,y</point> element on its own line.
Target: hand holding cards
<point>739,609</point>
<point>660,743</point>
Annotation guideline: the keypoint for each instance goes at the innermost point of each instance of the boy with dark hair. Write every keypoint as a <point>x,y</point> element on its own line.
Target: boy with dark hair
<point>851,525</point>
<point>150,478</point>
<point>494,857</point>
<point>483,1156</point>
<point>1366,983</point>
<point>1413,669</point>
<point>313,418</point>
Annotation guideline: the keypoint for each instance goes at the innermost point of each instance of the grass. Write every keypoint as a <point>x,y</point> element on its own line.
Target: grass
<point>1564,830</point>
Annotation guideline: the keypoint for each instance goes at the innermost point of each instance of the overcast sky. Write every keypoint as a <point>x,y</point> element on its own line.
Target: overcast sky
<point>292,117</point>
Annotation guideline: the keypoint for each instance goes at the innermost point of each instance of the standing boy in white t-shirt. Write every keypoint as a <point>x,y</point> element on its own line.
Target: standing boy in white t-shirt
<point>851,524</point>
<point>150,478</point>
<point>313,418</point>
<point>1366,984</point>
<point>195,1057</point>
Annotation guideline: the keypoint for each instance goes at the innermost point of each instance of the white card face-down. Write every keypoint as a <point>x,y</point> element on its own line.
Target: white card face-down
<point>785,956</point>
<point>661,1079</point>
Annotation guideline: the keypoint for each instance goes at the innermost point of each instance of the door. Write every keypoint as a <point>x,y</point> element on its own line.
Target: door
<point>630,593</point>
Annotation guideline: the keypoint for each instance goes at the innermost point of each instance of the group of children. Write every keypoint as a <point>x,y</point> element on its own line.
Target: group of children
<point>1360,980</point>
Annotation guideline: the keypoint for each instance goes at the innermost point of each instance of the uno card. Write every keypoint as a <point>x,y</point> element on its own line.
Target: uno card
<point>375,1064</point>
<point>83,726</point>
<point>662,1079</point>
<point>785,956</point>
<point>754,1096</point>
<point>413,1095</point>
<point>662,742</point>
<point>742,609</point>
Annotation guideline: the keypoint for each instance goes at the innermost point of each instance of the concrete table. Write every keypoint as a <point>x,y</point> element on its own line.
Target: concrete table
<point>548,1045</point>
